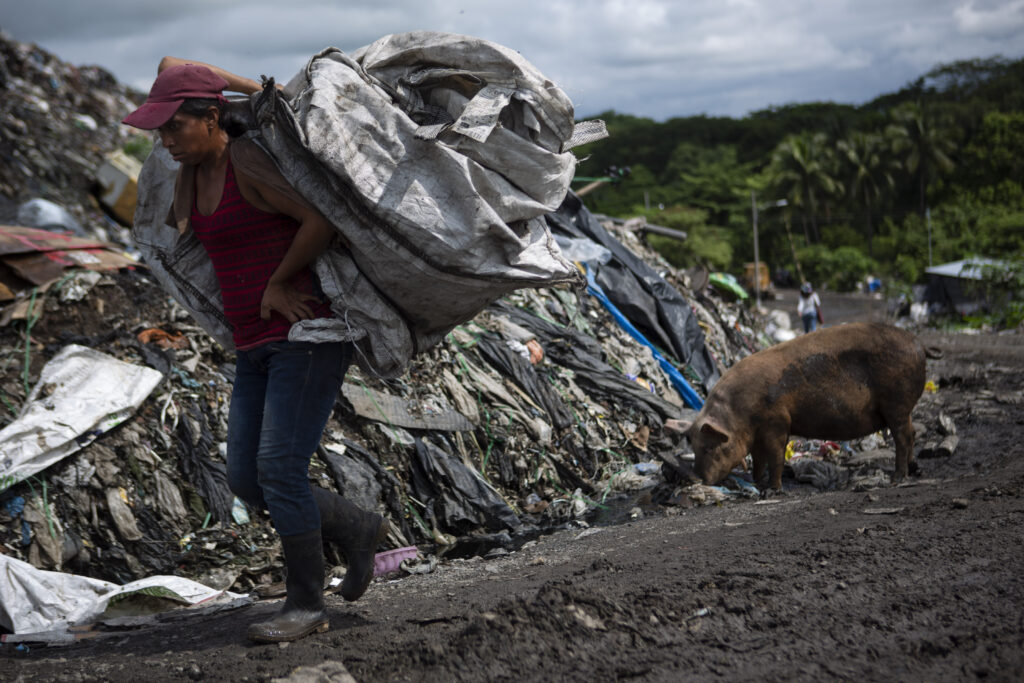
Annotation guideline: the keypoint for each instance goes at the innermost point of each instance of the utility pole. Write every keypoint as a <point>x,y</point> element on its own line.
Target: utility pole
<point>928,220</point>
<point>757,255</point>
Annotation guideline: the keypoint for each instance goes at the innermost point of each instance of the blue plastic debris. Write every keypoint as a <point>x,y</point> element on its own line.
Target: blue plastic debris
<point>185,379</point>
<point>745,487</point>
<point>690,396</point>
<point>15,506</point>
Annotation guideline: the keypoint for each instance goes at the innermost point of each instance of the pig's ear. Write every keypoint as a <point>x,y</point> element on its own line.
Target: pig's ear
<point>713,430</point>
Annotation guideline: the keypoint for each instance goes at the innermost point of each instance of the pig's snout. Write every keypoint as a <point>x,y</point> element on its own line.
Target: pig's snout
<point>703,473</point>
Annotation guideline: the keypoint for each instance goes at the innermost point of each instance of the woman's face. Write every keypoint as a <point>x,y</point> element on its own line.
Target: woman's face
<point>192,139</point>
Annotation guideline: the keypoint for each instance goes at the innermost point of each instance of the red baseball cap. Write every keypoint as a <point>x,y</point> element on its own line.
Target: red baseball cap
<point>173,86</point>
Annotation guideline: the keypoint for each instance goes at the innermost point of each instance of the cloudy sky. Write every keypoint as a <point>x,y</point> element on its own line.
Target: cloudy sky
<point>654,58</point>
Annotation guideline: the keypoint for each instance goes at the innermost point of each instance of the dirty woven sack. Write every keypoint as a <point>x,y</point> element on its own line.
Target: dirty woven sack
<point>436,156</point>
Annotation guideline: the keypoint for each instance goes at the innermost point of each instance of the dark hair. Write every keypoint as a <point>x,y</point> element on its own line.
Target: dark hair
<point>198,106</point>
<point>235,116</point>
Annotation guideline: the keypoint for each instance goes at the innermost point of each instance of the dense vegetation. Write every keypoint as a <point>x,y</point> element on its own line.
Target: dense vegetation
<point>931,173</point>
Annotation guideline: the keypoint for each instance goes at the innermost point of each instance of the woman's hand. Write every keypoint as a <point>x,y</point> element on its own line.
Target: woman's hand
<point>286,300</point>
<point>311,239</point>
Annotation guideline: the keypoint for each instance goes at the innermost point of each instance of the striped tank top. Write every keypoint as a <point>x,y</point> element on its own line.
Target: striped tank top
<point>246,245</point>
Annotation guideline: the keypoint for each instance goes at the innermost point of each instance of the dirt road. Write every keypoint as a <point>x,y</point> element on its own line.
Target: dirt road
<point>920,582</point>
<point>836,308</point>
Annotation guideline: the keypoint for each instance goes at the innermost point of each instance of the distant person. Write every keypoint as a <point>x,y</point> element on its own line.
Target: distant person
<point>784,278</point>
<point>809,308</point>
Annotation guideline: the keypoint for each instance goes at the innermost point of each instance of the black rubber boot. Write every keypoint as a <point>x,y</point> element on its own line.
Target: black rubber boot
<point>356,532</point>
<point>303,611</point>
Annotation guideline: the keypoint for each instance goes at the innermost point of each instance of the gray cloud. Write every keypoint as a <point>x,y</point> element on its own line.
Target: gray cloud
<point>656,58</point>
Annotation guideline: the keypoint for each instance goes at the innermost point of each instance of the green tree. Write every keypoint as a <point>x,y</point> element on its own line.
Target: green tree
<point>841,269</point>
<point>800,171</point>
<point>868,172</point>
<point>923,143</point>
<point>704,244</point>
<point>996,153</point>
<point>708,178</point>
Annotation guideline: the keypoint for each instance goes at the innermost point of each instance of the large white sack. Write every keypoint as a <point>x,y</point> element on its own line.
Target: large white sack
<point>37,601</point>
<point>435,156</point>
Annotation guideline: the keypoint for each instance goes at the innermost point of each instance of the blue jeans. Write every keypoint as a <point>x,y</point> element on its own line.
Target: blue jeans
<point>810,322</point>
<point>283,394</point>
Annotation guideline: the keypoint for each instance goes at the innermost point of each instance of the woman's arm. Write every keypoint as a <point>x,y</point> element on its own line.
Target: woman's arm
<point>236,83</point>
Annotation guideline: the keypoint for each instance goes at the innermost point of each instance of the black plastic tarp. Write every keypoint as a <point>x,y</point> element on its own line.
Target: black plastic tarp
<point>582,354</point>
<point>454,495</point>
<point>210,477</point>
<point>655,307</point>
<point>540,390</point>
<point>360,477</point>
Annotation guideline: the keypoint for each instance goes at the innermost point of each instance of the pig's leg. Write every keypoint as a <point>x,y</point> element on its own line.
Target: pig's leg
<point>770,450</point>
<point>759,464</point>
<point>903,434</point>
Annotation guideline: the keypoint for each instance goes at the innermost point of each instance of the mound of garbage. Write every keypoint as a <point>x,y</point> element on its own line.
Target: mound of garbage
<point>548,409</point>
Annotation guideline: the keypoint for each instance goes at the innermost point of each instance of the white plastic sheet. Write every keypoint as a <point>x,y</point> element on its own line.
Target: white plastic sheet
<point>81,394</point>
<point>39,601</point>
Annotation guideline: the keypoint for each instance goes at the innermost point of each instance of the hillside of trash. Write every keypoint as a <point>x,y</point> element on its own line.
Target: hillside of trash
<point>548,409</point>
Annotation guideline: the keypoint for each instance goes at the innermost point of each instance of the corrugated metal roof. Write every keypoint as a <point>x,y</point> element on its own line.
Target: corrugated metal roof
<point>968,269</point>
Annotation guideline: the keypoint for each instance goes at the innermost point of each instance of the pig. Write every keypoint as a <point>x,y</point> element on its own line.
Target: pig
<point>837,383</point>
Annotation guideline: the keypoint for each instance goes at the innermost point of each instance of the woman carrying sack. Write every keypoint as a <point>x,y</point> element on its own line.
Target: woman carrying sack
<point>262,244</point>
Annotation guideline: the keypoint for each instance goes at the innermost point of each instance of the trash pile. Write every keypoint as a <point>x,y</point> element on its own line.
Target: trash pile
<point>547,409</point>
<point>57,123</point>
<point>532,415</point>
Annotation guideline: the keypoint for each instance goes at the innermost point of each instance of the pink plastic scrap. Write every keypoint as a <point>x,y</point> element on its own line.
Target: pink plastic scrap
<point>391,560</point>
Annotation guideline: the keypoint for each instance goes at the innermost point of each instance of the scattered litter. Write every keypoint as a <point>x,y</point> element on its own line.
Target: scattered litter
<point>38,257</point>
<point>882,511</point>
<point>587,532</point>
<point>78,285</point>
<point>427,566</point>
<point>744,487</point>
<point>44,214</point>
<point>392,410</point>
<point>940,449</point>
<point>825,476</point>
<point>332,671</point>
<point>391,560</point>
<point>163,339</point>
<point>239,513</point>
<point>118,178</point>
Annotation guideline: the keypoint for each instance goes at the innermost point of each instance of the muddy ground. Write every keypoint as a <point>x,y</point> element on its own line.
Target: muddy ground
<point>920,582</point>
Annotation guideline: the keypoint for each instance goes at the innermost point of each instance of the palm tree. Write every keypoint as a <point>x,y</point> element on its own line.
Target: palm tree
<point>799,171</point>
<point>868,171</point>
<point>924,145</point>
